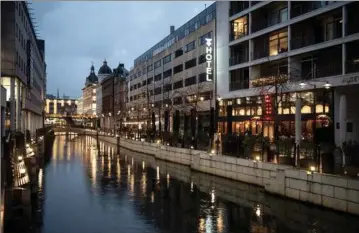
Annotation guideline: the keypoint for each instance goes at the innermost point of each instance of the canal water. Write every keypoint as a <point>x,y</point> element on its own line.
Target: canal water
<point>90,187</point>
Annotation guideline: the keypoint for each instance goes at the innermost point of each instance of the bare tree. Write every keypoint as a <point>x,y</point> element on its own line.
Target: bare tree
<point>276,86</point>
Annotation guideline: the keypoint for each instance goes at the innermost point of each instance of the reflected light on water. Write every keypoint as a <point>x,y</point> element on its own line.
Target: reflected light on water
<point>143,165</point>
<point>192,187</point>
<point>220,221</point>
<point>209,227</point>
<point>144,184</point>
<point>168,180</point>
<point>201,226</point>
<point>152,197</point>
<point>213,196</point>
<point>158,173</point>
<point>118,170</point>
<point>258,211</point>
<point>40,176</point>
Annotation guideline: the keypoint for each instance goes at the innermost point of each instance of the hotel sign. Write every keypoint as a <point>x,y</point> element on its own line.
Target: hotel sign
<point>209,59</point>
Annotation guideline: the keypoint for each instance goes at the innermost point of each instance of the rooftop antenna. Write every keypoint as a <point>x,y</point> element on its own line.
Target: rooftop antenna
<point>58,93</point>
<point>205,6</point>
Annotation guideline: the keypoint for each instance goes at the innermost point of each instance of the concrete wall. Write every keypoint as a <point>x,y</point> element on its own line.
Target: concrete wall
<point>339,193</point>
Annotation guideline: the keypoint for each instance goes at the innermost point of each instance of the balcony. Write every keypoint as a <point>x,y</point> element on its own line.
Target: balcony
<point>352,61</point>
<point>318,64</point>
<point>317,30</point>
<point>239,53</point>
<point>238,59</point>
<point>272,14</point>
<point>352,18</point>
<point>237,6</point>
<point>272,73</point>
<point>240,85</point>
<point>299,8</point>
<point>271,44</point>
<point>239,79</point>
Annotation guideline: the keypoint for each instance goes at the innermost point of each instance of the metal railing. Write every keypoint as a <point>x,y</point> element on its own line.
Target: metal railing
<point>239,85</point>
<point>238,59</point>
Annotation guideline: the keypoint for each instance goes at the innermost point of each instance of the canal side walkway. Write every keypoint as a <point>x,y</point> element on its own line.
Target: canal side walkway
<point>335,192</point>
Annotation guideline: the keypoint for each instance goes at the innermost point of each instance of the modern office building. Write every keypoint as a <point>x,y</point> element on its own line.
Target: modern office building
<point>172,75</point>
<point>111,99</point>
<point>270,53</point>
<point>60,106</point>
<point>23,68</point>
<point>89,93</point>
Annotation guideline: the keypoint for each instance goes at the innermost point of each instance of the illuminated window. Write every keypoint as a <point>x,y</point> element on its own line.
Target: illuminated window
<point>278,43</point>
<point>321,109</point>
<point>240,27</point>
<point>306,109</point>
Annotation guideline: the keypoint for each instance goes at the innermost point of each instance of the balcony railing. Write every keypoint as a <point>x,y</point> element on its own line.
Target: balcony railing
<point>301,42</point>
<point>238,59</point>
<point>237,35</point>
<point>331,69</point>
<point>305,7</point>
<point>240,85</point>
<point>236,7</point>
<point>262,24</point>
<point>352,66</point>
<point>269,51</point>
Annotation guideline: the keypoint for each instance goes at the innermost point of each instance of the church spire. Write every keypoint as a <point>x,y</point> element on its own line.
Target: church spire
<point>92,68</point>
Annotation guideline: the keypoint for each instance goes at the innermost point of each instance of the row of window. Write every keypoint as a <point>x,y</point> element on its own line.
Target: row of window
<point>177,69</point>
<point>169,87</point>
<point>187,48</point>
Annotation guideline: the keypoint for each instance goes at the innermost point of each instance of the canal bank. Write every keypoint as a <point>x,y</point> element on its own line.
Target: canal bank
<point>338,193</point>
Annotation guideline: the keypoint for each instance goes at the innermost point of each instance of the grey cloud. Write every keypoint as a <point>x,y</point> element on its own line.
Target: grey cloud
<point>77,33</point>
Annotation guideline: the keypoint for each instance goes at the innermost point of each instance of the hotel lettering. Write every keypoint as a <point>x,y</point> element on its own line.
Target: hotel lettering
<point>209,59</point>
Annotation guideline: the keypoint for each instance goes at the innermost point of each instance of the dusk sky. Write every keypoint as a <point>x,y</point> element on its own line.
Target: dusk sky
<point>78,33</point>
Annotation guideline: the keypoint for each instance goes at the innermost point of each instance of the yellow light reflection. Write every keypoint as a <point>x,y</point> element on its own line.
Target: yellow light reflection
<point>40,176</point>
<point>143,165</point>
<point>158,173</point>
<point>220,221</point>
<point>202,225</point>
<point>213,196</point>
<point>144,184</point>
<point>118,171</point>
<point>168,180</point>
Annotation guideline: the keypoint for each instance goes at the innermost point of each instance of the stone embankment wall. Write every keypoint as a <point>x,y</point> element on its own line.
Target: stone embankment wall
<point>339,193</point>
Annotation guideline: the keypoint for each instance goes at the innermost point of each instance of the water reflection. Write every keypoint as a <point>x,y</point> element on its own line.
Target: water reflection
<point>106,192</point>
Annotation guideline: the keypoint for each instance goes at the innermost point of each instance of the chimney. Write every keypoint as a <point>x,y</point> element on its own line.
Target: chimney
<point>172,29</point>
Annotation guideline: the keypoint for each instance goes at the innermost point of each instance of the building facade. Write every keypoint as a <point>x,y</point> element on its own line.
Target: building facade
<point>103,73</point>
<point>272,54</point>
<point>23,68</point>
<point>89,93</point>
<point>121,93</point>
<point>112,101</point>
<point>60,106</point>
<point>172,75</point>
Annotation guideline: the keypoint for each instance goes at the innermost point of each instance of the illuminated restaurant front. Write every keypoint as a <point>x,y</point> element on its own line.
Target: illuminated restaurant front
<point>255,115</point>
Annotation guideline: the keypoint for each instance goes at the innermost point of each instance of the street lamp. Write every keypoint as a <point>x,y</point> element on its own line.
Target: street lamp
<point>327,85</point>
